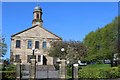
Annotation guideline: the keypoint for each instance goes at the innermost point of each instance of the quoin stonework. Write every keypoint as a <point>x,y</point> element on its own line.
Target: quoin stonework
<point>35,37</point>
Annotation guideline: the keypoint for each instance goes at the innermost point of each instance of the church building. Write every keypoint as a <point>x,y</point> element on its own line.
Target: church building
<point>35,39</point>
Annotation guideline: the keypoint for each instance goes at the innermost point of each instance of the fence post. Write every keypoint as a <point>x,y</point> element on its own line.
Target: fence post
<point>33,69</point>
<point>75,72</point>
<point>62,66</point>
<point>18,71</point>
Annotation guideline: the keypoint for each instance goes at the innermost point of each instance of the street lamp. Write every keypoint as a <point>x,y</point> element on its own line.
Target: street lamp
<point>33,53</point>
<point>62,49</point>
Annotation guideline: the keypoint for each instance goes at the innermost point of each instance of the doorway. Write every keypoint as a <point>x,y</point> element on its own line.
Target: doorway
<point>44,60</point>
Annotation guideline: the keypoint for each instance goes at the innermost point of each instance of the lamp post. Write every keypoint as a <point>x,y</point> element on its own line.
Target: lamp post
<point>33,53</point>
<point>33,66</point>
<point>62,50</point>
<point>62,66</point>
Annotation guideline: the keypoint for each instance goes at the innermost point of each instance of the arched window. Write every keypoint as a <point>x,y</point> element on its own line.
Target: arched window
<point>44,45</point>
<point>37,16</point>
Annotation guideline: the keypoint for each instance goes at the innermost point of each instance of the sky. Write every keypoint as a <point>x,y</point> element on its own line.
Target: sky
<point>69,20</point>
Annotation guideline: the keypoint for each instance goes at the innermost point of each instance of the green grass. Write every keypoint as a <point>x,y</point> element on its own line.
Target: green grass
<point>97,66</point>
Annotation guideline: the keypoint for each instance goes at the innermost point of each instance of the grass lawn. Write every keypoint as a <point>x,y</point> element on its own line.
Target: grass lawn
<point>97,66</point>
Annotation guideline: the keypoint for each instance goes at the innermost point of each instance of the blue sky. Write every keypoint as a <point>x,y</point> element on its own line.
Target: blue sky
<point>69,20</point>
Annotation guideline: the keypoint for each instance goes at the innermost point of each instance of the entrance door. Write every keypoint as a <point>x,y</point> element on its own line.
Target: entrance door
<point>44,60</point>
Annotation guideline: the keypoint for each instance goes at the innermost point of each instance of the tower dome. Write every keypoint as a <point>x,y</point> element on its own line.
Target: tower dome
<point>37,16</point>
<point>37,8</point>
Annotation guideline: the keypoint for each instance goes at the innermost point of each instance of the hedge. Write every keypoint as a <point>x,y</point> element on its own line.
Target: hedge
<point>93,72</point>
<point>8,74</point>
<point>99,73</point>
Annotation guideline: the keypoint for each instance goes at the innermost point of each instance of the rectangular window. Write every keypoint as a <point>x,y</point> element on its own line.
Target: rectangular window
<point>39,58</point>
<point>17,58</point>
<point>36,44</point>
<point>44,45</point>
<point>29,44</point>
<point>18,43</point>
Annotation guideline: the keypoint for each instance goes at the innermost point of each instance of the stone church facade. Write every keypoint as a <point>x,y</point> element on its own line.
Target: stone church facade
<point>35,39</point>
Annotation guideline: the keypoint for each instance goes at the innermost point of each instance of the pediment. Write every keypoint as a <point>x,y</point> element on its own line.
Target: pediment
<point>36,31</point>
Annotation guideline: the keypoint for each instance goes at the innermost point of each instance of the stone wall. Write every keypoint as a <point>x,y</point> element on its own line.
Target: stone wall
<point>35,34</point>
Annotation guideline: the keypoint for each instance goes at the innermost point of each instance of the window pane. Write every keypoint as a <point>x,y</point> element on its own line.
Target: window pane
<point>17,58</point>
<point>39,58</point>
<point>36,44</point>
<point>44,45</point>
<point>17,43</point>
<point>29,44</point>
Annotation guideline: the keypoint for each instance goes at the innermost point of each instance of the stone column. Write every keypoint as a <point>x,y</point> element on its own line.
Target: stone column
<point>62,69</point>
<point>33,69</point>
<point>41,59</point>
<point>75,72</point>
<point>18,71</point>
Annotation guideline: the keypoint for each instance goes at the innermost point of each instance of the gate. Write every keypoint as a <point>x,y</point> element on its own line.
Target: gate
<point>45,71</point>
<point>32,71</point>
<point>42,71</point>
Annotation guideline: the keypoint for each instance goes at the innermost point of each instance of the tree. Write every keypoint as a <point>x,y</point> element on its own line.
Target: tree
<point>101,43</point>
<point>74,50</point>
<point>3,46</point>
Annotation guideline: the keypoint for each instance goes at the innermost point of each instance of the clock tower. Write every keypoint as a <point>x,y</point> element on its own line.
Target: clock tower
<point>37,16</point>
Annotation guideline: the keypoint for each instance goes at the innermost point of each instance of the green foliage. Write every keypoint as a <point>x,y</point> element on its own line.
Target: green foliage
<point>102,43</point>
<point>10,67</point>
<point>99,71</point>
<point>8,70</point>
<point>74,50</point>
<point>8,75</point>
<point>69,71</point>
<point>113,73</point>
<point>88,73</point>
<point>55,50</point>
<point>5,64</point>
<point>97,66</point>
<point>3,46</point>
<point>119,69</point>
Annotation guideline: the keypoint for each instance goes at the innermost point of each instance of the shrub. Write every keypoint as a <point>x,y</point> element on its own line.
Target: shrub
<point>69,71</point>
<point>103,73</point>
<point>119,70</point>
<point>10,67</point>
<point>99,73</point>
<point>8,75</point>
<point>113,73</point>
<point>88,73</point>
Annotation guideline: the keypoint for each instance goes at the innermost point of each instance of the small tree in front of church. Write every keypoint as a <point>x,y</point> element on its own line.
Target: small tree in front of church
<point>73,50</point>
